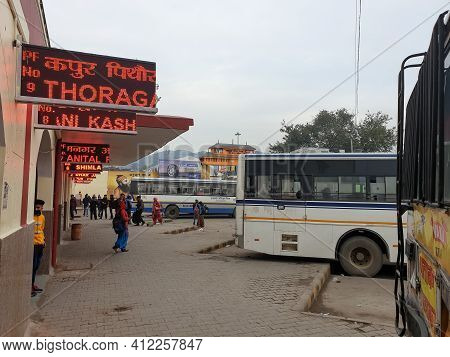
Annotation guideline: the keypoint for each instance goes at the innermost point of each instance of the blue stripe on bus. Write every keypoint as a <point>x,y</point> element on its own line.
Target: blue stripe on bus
<point>318,204</point>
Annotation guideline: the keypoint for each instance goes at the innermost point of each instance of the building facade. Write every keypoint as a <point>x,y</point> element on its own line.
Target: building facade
<point>222,159</point>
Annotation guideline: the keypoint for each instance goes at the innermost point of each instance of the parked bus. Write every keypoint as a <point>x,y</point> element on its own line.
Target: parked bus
<point>422,309</point>
<point>333,206</point>
<point>178,195</point>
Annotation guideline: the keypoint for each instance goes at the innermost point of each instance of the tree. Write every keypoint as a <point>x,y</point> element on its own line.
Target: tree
<point>374,135</point>
<point>336,131</point>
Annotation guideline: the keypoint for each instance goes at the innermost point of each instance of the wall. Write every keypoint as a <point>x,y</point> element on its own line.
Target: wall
<point>18,169</point>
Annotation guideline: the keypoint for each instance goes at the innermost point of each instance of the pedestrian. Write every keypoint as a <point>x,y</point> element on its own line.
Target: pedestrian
<point>195,210</point>
<point>120,225</point>
<point>111,205</point>
<point>72,206</point>
<point>156,211</point>
<point>38,243</point>
<point>139,210</point>
<point>129,205</point>
<point>86,202</point>
<point>201,216</point>
<point>103,207</point>
<point>93,207</point>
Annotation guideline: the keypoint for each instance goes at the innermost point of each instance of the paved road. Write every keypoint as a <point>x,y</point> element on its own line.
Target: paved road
<point>358,298</point>
<point>163,287</point>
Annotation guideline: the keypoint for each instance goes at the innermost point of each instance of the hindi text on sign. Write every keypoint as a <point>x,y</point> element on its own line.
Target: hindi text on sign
<point>50,75</point>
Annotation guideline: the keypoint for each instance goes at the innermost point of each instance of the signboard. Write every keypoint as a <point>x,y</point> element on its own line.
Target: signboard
<point>85,175</point>
<point>85,119</point>
<point>77,168</point>
<point>54,76</point>
<point>85,153</point>
<point>427,275</point>
<point>180,168</point>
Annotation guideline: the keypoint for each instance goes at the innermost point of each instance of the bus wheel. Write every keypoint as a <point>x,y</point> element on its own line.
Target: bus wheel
<point>360,256</point>
<point>172,212</point>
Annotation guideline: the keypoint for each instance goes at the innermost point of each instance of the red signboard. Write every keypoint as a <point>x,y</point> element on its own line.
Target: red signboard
<point>76,168</point>
<point>85,153</point>
<point>85,119</point>
<point>54,76</point>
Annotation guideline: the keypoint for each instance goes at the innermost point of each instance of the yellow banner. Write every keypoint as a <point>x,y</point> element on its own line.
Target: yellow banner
<point>427,275</point>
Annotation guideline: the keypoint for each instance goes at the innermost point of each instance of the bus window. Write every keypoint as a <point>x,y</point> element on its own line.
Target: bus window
<point>250,186</point>
<point>173,188</point>
<point>158,188</point>
<point>187,188</point>
<point>291,188</point>
<point>391,188</point>
<point>203,190</point>
<point>228,189</point>
<point>142,188</point>
<point>326,188</point>
<point>377,188</point>
<point>352,188</point>
<point>263,186</point>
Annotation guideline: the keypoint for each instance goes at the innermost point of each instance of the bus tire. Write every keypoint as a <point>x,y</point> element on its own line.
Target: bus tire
<point>360,256</point>
<point>172,212</point>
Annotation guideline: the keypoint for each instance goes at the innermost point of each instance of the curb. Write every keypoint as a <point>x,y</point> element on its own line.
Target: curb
<point>215,247</point>
<point>349,319</point>
<point>181,230</point>
<point>307,299</point>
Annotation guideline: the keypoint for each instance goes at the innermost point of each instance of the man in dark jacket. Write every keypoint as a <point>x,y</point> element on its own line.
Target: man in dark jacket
<point>93,207</point>
<point>111,204</point>
<point>103,207</point>
<point>73,206</point>
<point>86,202</point>
<point>139,210</point>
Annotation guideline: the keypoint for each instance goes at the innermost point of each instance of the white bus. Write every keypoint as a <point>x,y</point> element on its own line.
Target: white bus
<point>332,206</point>
<point>178,195</point>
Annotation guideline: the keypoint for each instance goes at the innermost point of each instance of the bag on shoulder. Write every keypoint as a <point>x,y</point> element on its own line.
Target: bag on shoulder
<point>117,224</point>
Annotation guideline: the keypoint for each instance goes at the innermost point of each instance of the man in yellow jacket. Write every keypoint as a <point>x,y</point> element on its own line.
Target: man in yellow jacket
<point>38,241</point>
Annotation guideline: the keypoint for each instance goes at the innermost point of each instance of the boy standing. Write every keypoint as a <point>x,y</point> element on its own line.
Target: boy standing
<point>39,243</point>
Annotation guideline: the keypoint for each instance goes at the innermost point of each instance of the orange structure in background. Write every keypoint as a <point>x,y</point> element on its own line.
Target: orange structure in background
<point>224,157</point>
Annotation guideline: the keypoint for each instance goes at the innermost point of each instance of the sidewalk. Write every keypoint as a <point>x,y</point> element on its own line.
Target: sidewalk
<point>164,287</point>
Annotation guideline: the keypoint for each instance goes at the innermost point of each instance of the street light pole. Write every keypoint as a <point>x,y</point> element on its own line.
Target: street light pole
<point>238,134</point>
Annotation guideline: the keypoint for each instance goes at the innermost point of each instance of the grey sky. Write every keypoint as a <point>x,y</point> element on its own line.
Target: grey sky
<point>247,65</point>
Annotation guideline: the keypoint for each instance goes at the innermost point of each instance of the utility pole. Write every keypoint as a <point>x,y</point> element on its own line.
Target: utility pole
<point>238,134</point>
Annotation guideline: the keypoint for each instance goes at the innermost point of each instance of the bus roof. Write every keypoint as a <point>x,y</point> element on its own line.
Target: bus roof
<point>169,179</point>
<point>323,156</point>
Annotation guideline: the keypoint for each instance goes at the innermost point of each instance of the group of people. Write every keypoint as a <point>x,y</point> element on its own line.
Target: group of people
<point>97,207</point>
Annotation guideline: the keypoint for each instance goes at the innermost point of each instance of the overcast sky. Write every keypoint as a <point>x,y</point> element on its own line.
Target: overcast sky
<point>245,65</point>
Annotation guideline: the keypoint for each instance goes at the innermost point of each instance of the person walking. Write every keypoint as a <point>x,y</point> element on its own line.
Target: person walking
<point>103,207</point>
<point>129,205</point>
<point>156,211</point>
<point>111,205</point>
<point>72,206</point>
<point>86,202</point>
<point>139,210</point>
<point>201,216</point>
<point>38,243</point>
<point>120,225</point>
<point>93,207</point>
<point>195,210</point>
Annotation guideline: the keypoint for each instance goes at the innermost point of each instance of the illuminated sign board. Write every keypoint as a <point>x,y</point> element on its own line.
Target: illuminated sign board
<point>85,153</point>
<point>85,119</point>
<point>54,76</point>
<point>83,175</point>
<point>76,168</point>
